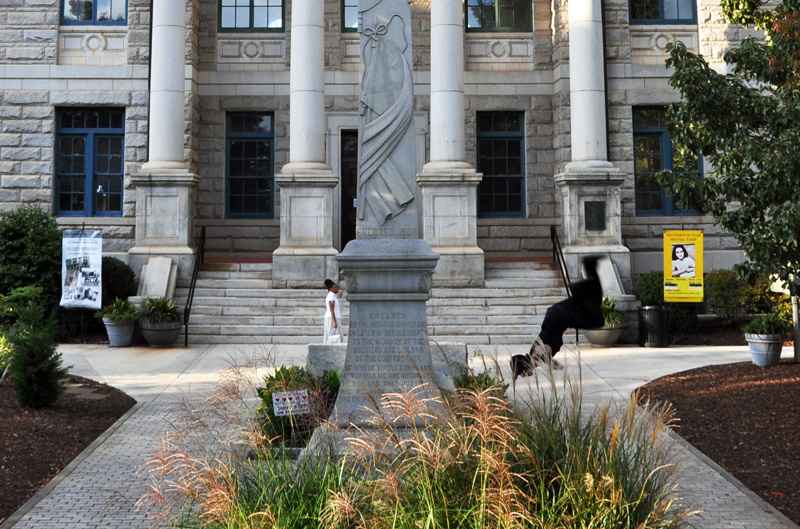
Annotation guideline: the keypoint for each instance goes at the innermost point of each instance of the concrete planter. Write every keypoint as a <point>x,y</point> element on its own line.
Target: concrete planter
<point>120,333</point>
<point>161,334</point>
<point>604,336</point>
<point>765,349</point>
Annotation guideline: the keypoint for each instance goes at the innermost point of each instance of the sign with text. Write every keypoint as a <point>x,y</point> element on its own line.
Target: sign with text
<point>291,403</point>
<point>683,266</point>
<point>81,269</point>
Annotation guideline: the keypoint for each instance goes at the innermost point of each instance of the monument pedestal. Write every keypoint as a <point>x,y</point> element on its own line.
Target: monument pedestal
<point>592,220</point>
<point>306,255</point>
<point>388,350</point>
<point>387,282</point>
<point>165,196</point>
<point>449,225</point>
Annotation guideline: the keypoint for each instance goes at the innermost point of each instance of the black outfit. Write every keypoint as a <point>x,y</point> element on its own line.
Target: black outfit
<point>581,311</point>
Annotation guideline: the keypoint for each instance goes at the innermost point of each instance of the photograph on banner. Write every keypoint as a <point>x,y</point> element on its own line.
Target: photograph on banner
<point>683,266</point>
<point>81,269</point>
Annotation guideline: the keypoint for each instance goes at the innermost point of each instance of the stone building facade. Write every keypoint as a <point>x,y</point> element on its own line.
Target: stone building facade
<point>151,120</point>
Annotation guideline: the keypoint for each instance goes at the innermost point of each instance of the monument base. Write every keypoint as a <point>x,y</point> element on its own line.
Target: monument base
<point>449,360</point>
<point>388,352</point>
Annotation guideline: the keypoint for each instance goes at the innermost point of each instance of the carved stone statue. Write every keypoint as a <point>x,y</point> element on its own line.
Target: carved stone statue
<point>387,176</point>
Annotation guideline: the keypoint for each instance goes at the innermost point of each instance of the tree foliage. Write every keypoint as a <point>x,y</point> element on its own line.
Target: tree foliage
<point>30,252</point>
<point>746,122</point>
<point>35,361</point>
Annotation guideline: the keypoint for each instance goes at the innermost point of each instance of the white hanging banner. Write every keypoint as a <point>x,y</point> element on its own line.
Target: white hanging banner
<point>81,269</point>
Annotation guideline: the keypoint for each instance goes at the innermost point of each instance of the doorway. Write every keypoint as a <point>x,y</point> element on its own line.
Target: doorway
<point>349,184</point>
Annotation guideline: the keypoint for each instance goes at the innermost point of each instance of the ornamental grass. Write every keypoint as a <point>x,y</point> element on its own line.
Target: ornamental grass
<point>469,459</point>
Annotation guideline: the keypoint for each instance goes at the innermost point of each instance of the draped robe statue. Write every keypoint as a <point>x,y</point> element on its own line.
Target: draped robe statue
<point>387,105</point>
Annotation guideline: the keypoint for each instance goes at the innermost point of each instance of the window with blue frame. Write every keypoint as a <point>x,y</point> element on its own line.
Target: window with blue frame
<point>501,140</point>
<point>663,11</point>
<point>652,153</point>
<point>498,15</point>
<point>249,166</point>
<point>90,148</point>
<point>349,16</point>
<point>251,15</point>
<point>94,12</point>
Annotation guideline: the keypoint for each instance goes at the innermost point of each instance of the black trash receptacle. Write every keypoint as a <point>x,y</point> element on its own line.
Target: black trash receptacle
<point>653,326</point>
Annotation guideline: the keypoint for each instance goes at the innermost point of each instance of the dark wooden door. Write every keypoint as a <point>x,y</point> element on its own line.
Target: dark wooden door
<point>349,184</point>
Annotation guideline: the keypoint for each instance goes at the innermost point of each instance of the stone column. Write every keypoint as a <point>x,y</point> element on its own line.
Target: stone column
<point>590,184</point>
<point>306,254</point>
<point>449,184</point>
<point>165,185</point>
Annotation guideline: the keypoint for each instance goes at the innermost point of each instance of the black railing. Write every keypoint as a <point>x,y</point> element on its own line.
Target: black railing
<point>187,310</point>
<point>558,258</point>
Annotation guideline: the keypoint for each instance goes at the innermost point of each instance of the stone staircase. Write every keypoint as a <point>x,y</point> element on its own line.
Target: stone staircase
<point>236,303</point>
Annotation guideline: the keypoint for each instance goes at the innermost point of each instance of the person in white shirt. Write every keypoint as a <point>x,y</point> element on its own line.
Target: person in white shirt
<point>333,314</point>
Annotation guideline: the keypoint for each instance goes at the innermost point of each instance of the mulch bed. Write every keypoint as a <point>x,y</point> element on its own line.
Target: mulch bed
<point>35,445</point>
<point>745,418</point>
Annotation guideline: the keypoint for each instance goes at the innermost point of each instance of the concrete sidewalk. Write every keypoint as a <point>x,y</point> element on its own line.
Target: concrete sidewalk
<point>99,489</point>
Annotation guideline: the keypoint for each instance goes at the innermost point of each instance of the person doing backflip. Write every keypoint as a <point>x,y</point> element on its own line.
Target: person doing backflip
<point>580,311</point>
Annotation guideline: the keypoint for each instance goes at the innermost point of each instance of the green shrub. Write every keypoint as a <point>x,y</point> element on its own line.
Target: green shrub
<point>5,351</point>
<point>727,295</point>
<point>767,324</point>
<point>35,362</point>
<point>683,319</point>
<point>649,289</point>
<point>30,252</point>
<point>119,311</point>
<point>611,316</point>
<point>119,280</point>
<point>295,430</point>
<point>160,310</point>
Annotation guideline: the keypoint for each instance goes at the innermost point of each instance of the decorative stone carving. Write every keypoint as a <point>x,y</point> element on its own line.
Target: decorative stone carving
<point>648,43</point>
<point>246,50</point>
<point>490,53</point>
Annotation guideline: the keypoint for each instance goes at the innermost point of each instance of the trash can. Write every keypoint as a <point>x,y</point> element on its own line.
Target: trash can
<point>653,326</point>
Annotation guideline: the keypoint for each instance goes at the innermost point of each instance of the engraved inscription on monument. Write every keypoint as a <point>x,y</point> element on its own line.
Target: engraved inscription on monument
<point>388,347</point>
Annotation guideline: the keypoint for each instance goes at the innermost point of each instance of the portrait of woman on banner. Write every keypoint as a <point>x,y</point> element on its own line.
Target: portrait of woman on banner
<point>683,264</point>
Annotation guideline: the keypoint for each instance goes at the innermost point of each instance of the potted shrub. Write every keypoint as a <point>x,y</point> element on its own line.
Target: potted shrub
<point>609,333</point>
<point>764,335</point>
<point>120,319</point>
<point>160,322</point>
<point>653,314</point>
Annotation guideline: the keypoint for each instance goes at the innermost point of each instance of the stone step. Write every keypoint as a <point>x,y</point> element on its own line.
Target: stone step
<point>237,303</point>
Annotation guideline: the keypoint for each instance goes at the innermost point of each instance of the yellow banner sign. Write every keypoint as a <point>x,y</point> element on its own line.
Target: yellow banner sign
<point>683,266</point>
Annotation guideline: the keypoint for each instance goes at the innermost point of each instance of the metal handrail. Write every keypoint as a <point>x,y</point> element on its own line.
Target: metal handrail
<point>187,310</point>
<point>558,258</point>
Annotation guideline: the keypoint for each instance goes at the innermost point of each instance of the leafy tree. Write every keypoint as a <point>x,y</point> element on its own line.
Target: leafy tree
<point>747,124</point>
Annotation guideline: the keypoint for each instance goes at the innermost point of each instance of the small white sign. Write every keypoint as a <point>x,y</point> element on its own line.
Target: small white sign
<point>290,403</point>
